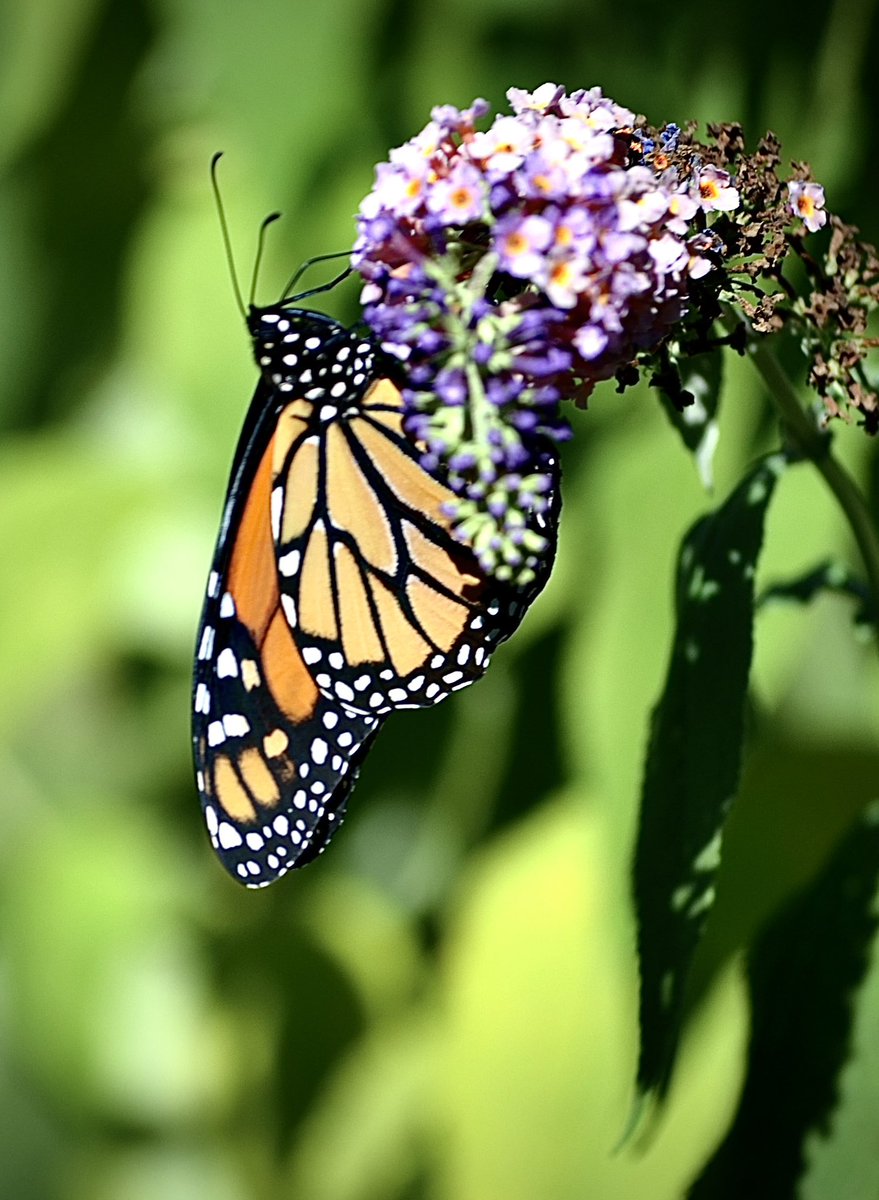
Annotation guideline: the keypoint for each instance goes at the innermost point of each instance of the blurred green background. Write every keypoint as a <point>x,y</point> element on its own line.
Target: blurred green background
<point>445,1005</point>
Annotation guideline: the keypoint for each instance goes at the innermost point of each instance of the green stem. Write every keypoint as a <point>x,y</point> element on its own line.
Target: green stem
<point>458,319</point>
<point>812,445</point>
<point>478,406</point>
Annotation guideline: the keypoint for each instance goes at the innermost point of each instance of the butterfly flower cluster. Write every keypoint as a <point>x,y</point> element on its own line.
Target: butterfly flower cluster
<point>517,266</point>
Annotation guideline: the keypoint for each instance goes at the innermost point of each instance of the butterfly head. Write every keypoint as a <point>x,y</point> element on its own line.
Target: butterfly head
<point>310,354</point>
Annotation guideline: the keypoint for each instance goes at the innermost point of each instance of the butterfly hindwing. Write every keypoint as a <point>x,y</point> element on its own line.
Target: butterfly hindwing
<point>389,608</point>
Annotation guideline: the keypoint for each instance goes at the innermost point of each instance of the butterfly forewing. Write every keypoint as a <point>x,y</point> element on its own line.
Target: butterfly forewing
<point>275,759</point>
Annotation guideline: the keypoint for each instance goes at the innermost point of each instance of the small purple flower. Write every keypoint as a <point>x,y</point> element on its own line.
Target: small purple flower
<point>451,387</point>
<point>430,342</point>
<point>669,254</point>
<point>669,137</point>
<point>682,208</point>
<point>593,106</point>
<point>464,460</point>
<point>502,147</point>
<point>590,341</point>
<point>575,229</point>
<point>504,390</point>
<point>400,186</point>
<point>540,177</point>
<point>456,120</point>
<point>565,281</point>
<point>520,244</point>
<point>645,209</point>
<point>716,193</point>
<point>502,197</point>
<point>806,200</point>
<point>553,361</point>
<point>542,100</point>
<point>624,247</point>
<point>460,197</point>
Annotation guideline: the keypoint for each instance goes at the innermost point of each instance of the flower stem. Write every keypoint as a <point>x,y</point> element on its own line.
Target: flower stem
<point>463,336</point>
<point>808,441</point>
<point>477,404</point>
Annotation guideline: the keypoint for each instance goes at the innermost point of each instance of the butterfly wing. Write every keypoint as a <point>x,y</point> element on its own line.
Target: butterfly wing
<point>338,593</point>
<point>275,759</point>
<point>413,615</point>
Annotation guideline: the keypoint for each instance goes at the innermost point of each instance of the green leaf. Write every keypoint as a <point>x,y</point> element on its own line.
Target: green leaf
<point>832,577</point>
<point>693,759</point>
<point>689,390</point>
<point>803,974</point>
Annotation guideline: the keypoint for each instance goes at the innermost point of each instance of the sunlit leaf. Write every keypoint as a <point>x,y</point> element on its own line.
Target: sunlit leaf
<point>690,395</point>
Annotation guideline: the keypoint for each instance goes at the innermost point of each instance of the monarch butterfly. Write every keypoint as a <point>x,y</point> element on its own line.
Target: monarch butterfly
<point>337,594</point>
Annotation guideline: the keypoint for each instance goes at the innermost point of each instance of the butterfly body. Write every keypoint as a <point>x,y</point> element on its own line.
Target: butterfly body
<point>337,594</point>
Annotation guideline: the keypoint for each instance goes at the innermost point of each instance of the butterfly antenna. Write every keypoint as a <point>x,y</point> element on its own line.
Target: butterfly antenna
<point>310,262</point>
<point>260,246</point>
<point>227,243</point>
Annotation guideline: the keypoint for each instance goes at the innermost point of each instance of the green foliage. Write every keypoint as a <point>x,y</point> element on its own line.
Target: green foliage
<point>804,973</point>
<point>694,758</point>
<point>830,577</point>
<point>690,397</point>
<point>446,1004</point>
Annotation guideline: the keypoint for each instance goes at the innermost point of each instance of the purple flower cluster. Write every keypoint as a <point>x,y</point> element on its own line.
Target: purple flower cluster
<point>515,267</point>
